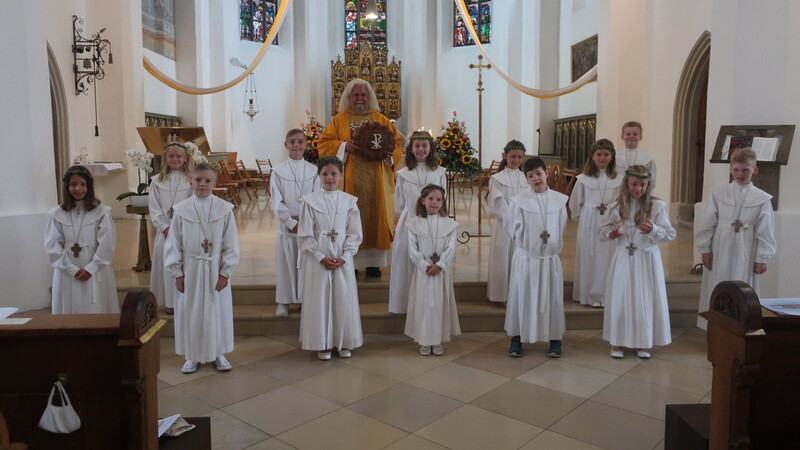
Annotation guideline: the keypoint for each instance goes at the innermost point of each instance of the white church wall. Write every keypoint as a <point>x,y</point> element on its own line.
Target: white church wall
<point>578,21</point>
<point>158,97</point>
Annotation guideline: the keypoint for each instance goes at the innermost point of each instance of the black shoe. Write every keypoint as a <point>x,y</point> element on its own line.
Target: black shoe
<point>555,349</point>
<point>373,272</point>
<point>515,350</point>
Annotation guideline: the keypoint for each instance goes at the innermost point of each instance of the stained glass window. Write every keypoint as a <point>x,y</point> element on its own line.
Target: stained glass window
<point>256,18</point>
<point>358,29</point>
<point>480,13</point>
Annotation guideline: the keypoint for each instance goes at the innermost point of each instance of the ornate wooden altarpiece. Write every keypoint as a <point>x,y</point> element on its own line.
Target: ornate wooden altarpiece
<point>371,65</point>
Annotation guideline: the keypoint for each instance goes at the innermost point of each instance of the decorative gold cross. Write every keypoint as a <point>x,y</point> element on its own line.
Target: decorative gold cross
<point>332,234</point>
<point>206,246</point>
<point>480,68</point>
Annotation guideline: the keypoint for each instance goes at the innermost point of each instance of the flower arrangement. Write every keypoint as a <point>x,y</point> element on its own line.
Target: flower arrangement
<point>195,155</point>
<point>143,161</point>
<point>455,151</point>
<point>313,131</point>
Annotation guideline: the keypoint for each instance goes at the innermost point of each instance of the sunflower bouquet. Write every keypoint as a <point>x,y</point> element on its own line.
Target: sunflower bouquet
<point>313,131</point>
<point>455,151</point>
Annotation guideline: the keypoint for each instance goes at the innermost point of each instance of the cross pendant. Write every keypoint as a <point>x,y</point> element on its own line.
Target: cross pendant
<point>170,212</point>
<point>545,235</point>
<point>206,246</point>
<point>631,248</point>
<point>76,249</point>
<point>332,234</point>
<point>435,258</point>
<point>738,225</point>
<point>602,208</point>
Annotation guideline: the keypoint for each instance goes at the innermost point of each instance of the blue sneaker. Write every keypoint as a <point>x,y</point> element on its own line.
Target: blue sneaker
<point>555,349</point>
<point>515,350</point>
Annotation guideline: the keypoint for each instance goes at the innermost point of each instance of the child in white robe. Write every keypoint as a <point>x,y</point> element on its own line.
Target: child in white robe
<point>505,184</point>
<point>636,312</point>
<point>79,240</point>
<point>421,170</point>
<point>735,232</point>
<point>290,181</point>
<point>631,155</point>
<point>169,188</point>
<point>328,238</point>
<point>535,221</point>
<point>595,189</point>
<point>201,252</point>
<point>432,316</point>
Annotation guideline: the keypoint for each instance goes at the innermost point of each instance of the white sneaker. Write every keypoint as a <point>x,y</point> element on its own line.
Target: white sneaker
<point>344,353</point>
<point>189,367</point>
<point>643,354</point>
<point>324,355</point>
<point>282,311</point>
<point>222,364</point>
<point>425,350</point>
<point>596,305</point>
<point>617,354</point>
<point>438,350</point>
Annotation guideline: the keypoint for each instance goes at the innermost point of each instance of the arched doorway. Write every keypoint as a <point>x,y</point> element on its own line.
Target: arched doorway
<point>689,130</point>
<point>58,105</point>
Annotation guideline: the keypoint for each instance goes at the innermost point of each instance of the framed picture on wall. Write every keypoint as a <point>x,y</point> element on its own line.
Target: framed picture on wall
<point>584,57</point>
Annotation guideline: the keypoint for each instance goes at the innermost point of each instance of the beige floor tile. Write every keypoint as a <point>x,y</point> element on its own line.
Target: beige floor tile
<point>271,444</point>
<point>229,433</point>
<point>163,384</point>
<point>642,397</point>
<point>592,355</point>
<point>167,347</point>
<point>687,353</point>
<point>174,401</point>
<point>406,407</point>
<point>386,338</point>
<point>470,427</point>
<point>412,442</point>
<point>281,409</point>
<point>528,403</point>
<point>342,429</point>
<point>693,335</point>
<point>396,363</point>
<point>706,399</point>
<point>226,388</point>
<point>674,374</point>
<point>253,348</point>
<point>457,347</point>
<point>171,371</point>
<point>346,384</point>
<point>288,339</point>
<point>458,382</point>
<point>495,359</point>
<point>550,441</point>
<point>565,377</point>
<point>609,427</point>
<point>660,446</point>
<point>575,337</point>
<point>295,365</point>
<point>486,337</point>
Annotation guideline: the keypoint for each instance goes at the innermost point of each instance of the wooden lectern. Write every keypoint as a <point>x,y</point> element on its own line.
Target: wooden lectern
<point>108,364</point>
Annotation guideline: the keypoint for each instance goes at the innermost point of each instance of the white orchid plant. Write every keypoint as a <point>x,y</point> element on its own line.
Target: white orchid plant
<point>194,153</point>
<point>143,161</point>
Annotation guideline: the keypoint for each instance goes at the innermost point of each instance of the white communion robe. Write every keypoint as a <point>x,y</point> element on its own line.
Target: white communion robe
<point>734,253</point>
<point>94,232</point>
<point>290,181</point>
<point>502,187</point>
<point>535,309</point>
<point>593,255</point>
<point>406,193</point>
<point>637,313</point>
<point>330,226</point>
<point>635,157</point>
<point>163,196</point>
<point>203,316</point>
<point>432,316</point>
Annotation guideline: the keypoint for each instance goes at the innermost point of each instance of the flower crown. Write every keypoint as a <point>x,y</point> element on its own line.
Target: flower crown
<point>176,144</point>
<point>77,171</point>
<point>516,146</point>
<point>424,138</point>
<point>325,160</point>
<point>645,176</point>
<point>434,186</point>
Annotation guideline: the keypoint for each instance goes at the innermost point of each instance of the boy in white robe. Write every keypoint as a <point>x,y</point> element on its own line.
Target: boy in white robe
<point>503,186</point>
<point>79,240</point>
<point>328,239</point>
<point>535,221</point>
<point>201,251</point>
<point>631,155</point>
<point>290,181</point>
<point>735,233</point>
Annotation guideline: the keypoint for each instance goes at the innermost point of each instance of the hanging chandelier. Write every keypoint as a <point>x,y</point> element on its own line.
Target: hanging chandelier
<point>250,95</point>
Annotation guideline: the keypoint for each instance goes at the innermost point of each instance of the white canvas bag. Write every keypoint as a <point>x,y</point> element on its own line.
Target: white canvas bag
<point>59,419</point>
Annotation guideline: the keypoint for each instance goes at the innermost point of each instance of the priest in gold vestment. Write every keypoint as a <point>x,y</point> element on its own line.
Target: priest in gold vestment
<point>371,181</point>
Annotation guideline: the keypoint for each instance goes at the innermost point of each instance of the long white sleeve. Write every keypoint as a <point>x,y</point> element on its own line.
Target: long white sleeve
<point>576,201</point>
<point>106,243</point>
<point>173,248</point>
<point>706,224</point>
<point>354,233</point>
<point>306,236</point>
<point>278,204</point>
<point>54,247</point>
<point>766,245</point>
<point>230,246</point>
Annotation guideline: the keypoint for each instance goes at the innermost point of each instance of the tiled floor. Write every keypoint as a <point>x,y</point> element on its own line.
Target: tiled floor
<point>474,397</point>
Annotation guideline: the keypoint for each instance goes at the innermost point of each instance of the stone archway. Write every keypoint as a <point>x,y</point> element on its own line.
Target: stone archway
<point>58,105</point>
<point>688,134</point>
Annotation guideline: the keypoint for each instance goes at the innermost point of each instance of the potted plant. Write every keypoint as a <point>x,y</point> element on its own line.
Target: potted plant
<point>142,160</point>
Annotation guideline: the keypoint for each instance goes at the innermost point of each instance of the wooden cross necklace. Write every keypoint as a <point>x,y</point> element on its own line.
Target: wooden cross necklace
<point>434,238</point>
<point>332,233</point>
<point>543,212</point>
<point>298,184</point>
<point>602,206</point>
<point>631,246</point>
<point>171,211</point>
<point>206,244</point>
<point>738,224</point>
<point>76,247</point>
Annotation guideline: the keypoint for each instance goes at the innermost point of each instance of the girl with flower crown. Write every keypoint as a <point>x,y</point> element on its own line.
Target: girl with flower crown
<point>421,170</point>
<point>79,240</point>
<point>636,313</point>
<point>169,188</point>
<point>432,316</point>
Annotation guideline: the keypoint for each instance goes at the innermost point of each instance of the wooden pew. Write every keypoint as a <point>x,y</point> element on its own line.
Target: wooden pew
<point>109,364</point>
